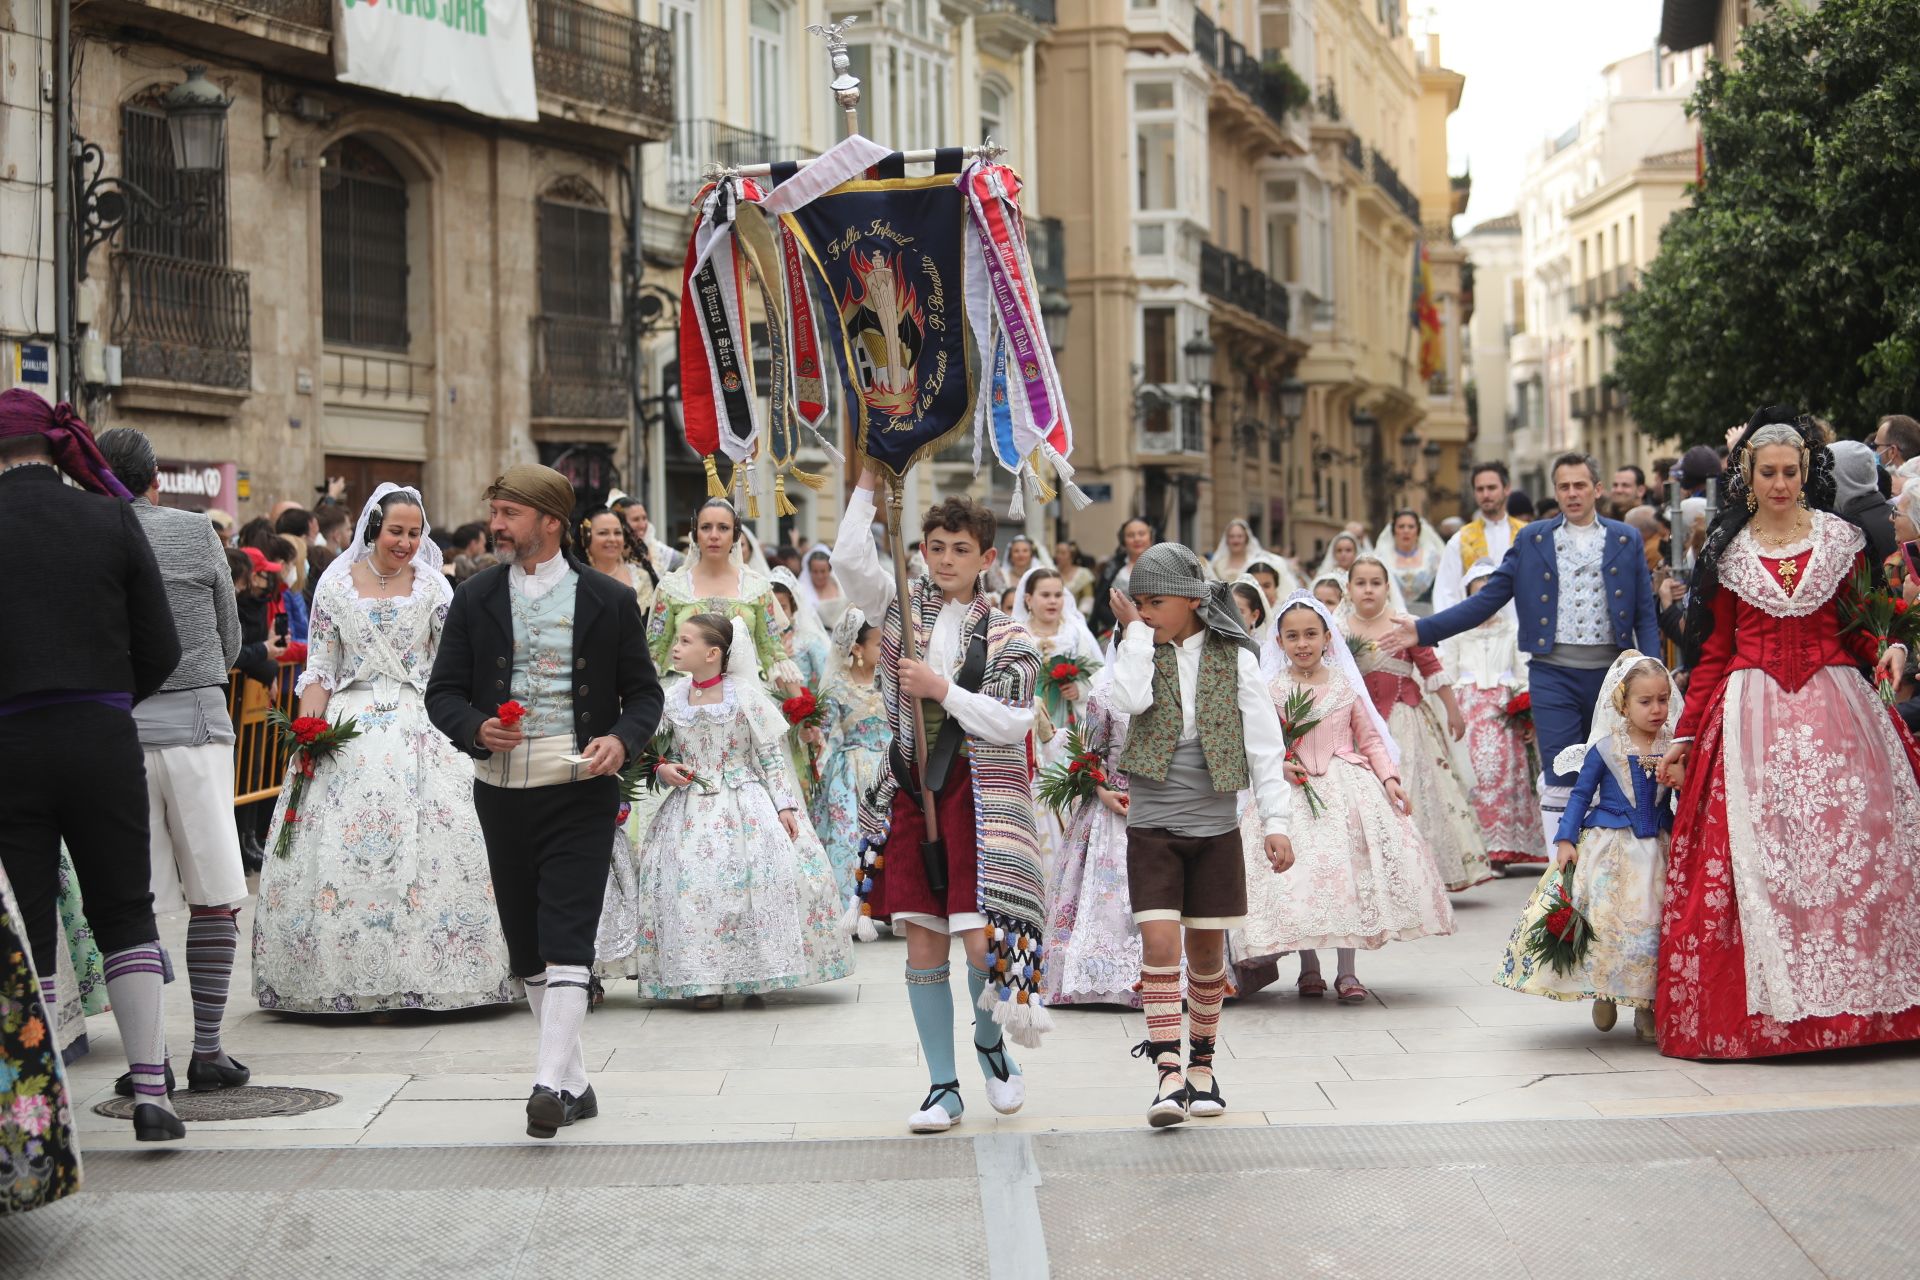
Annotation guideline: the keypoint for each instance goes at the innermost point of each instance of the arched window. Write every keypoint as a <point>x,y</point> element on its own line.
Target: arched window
<point>363,248</point>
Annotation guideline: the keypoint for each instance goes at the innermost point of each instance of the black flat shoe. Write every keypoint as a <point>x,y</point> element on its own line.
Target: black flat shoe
<point>154,1123</point>
<point>549,1112</point>
<point>123,1087</point>
<point>211,1077</point>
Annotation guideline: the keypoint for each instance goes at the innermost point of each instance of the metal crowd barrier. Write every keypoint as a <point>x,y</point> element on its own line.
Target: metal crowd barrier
<point>259,761</point>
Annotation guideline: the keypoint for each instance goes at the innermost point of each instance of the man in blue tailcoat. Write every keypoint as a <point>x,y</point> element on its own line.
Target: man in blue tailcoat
<point>1580,585</point>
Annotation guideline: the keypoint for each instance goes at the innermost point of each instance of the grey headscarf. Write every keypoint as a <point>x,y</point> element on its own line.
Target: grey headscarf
<point>1169,569</point>
<point>1857,496</point>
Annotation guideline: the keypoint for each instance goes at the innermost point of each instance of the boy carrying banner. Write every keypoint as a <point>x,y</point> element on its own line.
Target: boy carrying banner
<point>981,880</point>
<point>1203,729</point>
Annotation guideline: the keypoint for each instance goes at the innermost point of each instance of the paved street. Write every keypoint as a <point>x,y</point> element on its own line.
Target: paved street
<point>1362,1141</point>
<point>1439,1042</point>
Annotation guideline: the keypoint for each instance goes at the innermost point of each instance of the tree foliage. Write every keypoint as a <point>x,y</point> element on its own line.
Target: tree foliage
<point>1794,274</point>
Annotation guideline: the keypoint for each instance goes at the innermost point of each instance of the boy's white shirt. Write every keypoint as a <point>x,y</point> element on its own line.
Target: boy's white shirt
<point>868,587</point>
<point>1131,691</point>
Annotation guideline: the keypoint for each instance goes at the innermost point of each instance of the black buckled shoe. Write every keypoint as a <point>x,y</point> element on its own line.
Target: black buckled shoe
<point>549,1111</point>
<point>1203,1102</point>
<point>154,1123</point>
<point>123,1087</point>
<point>1169,1106</point>
<point>211,1077</point>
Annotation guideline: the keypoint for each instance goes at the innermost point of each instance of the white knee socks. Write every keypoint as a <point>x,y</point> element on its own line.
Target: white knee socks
<point>133,986</point>
<point>559,1000</point>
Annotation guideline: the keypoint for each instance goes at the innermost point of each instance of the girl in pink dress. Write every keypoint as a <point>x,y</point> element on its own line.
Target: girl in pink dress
<point>1362,877</point>
<point>1489,671</point>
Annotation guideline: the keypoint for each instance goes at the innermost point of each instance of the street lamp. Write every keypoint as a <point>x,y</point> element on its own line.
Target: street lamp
<point>1409,447</point>
<point>1199,353</point>
<point>1365,426</point>
<point>1431,452</point>
<point>197,122</point>
<point>1293,401</point>
<point>1054,310</point>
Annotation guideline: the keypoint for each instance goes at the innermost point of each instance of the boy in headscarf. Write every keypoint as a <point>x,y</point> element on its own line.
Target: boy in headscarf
<point>1203,729</point>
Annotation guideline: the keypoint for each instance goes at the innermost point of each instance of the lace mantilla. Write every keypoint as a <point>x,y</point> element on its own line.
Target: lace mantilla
<point>1835,542</point>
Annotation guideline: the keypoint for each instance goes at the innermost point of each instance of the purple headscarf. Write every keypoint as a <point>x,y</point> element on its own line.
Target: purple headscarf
<point>23,413</point>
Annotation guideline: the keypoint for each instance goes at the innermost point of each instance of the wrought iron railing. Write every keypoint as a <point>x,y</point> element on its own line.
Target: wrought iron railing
<point>317,14</point>
<point>1233,279</point>
<point>698,143</point>
<point>182,321</point>
<point>606,58</point>
<point>579,368</point>
<point>1038,10</point>
<point>1206,39</point>
<point>1387,178</point>
<point>1356,154</point>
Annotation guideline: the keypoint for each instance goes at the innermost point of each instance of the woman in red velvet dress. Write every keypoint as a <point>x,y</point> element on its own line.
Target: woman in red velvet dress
<point>1792,918</point>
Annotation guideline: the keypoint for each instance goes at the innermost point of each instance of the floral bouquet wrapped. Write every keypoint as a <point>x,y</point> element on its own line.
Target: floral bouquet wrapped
<point>1064,673</point>
<point>643,772</point>
<point>1519,710</point>
<point>803,710</point>
<point>308,740</point>
<point>1882,614</point>
<point>1297,720</point>
<point>1561,937</point>
<point>1066,785</point>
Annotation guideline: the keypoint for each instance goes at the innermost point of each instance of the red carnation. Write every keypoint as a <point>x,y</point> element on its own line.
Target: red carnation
<point>510,713</point>
<point>307,728</point>
<point>1900,606</point>
<point>1063,671</point>
<point>1520,702</point>
<point>1560,923</point>
<point>800,707</point>
<point>292,816</point>
<point>1075,766</point>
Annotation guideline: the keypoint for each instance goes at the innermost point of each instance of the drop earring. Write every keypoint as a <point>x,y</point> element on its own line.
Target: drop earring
<point>1753,502</point>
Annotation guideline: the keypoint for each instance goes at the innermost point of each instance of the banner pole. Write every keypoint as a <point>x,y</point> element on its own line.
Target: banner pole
<point>846,92</point>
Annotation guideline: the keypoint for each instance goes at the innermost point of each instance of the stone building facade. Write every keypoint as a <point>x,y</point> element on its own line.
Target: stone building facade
<point>375,286</point>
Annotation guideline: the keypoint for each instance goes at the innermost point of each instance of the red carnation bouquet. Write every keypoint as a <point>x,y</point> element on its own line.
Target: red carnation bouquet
<point>1297,720</point>
<point>803,710</point>
<point>1560,938</point>
<point>308,740</point>
<point>1064,786</point>
<point>1519,710</point>
<point>1063,673</point>
<point>1882,614</point>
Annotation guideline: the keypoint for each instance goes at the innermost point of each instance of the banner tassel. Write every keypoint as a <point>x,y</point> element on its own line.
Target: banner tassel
<point>1017,509</point>
<point>813,480</point>
<point>827,447</point>
<point>1076,497</point>
<point>782,505</point>
<point>714,488</point>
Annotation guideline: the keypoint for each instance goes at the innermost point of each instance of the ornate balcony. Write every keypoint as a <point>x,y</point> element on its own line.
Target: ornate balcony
<point>181,321</point>
<point>609,70</point>
<point>579,369</point>
<point>1387,178</point>
<point>698,143</point>
<point>1232,279</point>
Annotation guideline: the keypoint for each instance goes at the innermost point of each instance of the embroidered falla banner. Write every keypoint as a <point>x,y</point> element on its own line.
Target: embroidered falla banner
<point>891,252</point>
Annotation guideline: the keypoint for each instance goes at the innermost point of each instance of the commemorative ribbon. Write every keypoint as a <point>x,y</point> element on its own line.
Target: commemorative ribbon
<point>712,338</point>
<point>809,379</point>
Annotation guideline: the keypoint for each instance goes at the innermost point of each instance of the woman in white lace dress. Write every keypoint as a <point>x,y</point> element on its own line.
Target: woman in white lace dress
<point>1361,876</point>
<point>736,894</point>
<point>384,900</point>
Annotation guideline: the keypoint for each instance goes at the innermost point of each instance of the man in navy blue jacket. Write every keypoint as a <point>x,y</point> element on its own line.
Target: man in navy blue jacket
<point>1580,585</point>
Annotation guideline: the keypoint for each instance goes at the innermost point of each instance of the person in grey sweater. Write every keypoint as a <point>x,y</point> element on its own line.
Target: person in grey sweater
<point>188,740</point>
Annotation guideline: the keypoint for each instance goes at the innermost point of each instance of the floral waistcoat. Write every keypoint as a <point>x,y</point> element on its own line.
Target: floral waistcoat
<point>1155,732</point>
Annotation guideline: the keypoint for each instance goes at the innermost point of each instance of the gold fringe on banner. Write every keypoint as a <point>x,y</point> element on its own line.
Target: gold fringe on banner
<point>782,505</point>
<point>812,480</point>
<point>714,488</point>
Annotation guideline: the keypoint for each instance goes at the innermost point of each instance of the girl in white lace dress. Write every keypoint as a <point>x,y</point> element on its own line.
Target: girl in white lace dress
<point>384,900</point>
<point>1362,876</point>
<point>1406,689</point>
<point>736,894</point>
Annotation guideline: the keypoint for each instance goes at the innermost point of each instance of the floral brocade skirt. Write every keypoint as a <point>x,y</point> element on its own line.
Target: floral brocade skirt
<point>39,1161</point>
<point>1505,799</point>
<point>1619,883</point>
<point>1092,944</point>
<point>1361,874</point>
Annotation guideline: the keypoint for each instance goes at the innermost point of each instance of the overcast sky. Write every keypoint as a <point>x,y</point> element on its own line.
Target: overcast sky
<point>1531,65</point>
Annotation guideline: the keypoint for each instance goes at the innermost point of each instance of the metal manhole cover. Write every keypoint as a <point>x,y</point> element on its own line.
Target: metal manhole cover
<point>249,1102</point>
